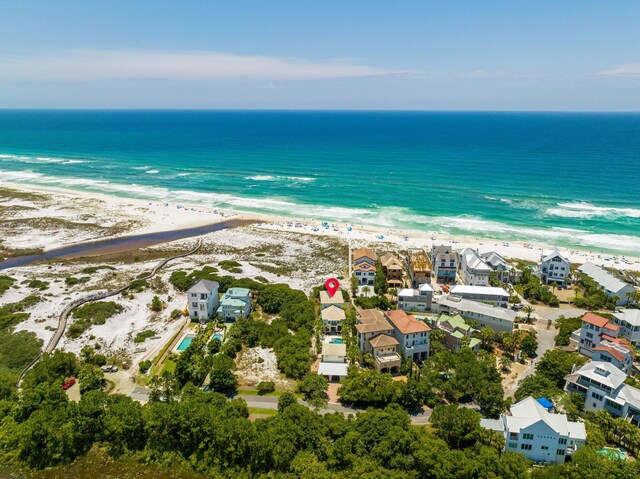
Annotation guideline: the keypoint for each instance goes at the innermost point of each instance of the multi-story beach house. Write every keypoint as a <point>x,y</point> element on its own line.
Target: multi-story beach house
<point>418,267</point>
<point>326,300</point>
<point>473,270</point>
<point>593,329</point>
<point>333,365</point>
<point>504,272</point>
<point>616,351</point>
<point>364,266</point>
<point>483,294</point>
<point>332,318</point>
<point>415,300</point>
<point>393,270</point>
<point>412,335</point>
<point>375,336</point>
<point>629,322</point>
<point>203,299</point>
<point>553,268</point>
<point>540,435</point>
<point>603,386</point>
<point>445,261</point>
<point>457,329</point>
<point>235,303</point>
<point>498,319</point>
<point>610,284</point>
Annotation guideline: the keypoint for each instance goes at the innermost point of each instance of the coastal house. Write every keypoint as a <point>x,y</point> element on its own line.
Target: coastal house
<point>473,270</point>
<point>333,365</point>
<point>457,329</point>
<point>418,267</point>
<point>203,299</point>
<point>235,303</point>
<point>326,300</point>
<point>593,329</point>
<point>415,300</point>
<point>498,319</point>
<point>629,322</point>
<point>617,351</point>
<point>540,435</point>
<point>412,335</point>
<point>610,284</point>
<point>603,386</point>
<point>444,262</point>
<point>505,273</point>
<point>483,294</point>
<point>553,268</point>
<point>332,318</point>
<point>375,336</point>
<point>364,266</point>
<point>393,270</point>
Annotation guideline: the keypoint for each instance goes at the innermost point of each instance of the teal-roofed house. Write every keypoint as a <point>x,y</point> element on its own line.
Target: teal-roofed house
<point>457,329</point>
<point>235,303</point>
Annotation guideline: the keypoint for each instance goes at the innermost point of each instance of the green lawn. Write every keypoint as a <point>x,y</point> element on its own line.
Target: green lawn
<point>259,410</point>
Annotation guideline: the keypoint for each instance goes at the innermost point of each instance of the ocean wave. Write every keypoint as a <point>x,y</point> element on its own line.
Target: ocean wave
<point>303,179</point>
<point>400,218</point>
<point>141,167</point>
<point>152,172</point>
<point>587,210</point>
<point>40,159</point>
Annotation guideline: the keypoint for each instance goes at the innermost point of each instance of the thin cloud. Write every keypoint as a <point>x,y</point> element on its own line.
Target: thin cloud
<point>626,70</point>
<point>113,65</point>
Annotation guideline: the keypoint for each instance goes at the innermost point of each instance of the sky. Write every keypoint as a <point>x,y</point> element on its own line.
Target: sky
<point>573,55</point>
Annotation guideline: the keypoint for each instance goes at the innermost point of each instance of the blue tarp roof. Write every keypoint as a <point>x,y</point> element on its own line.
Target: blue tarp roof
<point>545,403</point>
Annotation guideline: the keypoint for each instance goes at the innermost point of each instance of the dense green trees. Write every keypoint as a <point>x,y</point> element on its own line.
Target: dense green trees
<point>458,426</point>
<point>532,288</point>
<point>221,377</point>
<point>314,389</point>
<point>593,296</point>
<point>368,387</point>
<point>565,327</point>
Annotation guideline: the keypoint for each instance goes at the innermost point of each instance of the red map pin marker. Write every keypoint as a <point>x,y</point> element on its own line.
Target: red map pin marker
<point>332,286</point>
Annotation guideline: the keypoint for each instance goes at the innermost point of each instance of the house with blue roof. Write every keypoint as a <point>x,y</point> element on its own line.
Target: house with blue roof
<point>235,303</point>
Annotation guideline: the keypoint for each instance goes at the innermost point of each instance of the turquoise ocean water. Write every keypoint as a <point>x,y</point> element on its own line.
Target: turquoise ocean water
<point>565,179</point>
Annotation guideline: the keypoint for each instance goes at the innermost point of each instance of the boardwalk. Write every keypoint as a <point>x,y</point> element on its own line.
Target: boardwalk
<point>62,320</point>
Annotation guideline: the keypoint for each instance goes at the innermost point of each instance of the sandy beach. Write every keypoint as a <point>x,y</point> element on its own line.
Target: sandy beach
<point>154,216</point>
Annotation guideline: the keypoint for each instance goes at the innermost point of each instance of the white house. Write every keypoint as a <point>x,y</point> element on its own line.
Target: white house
<point>593,329</point>
<point>364,266</point>
<point>629,322</point>
<point>498,319</point>
<point>473,270</point>
<point>411,334</point>
<point>540,435</point>
<point>616,351</point>
<point>203,299</point>
<point>602,385</point>
<point>553,267</point>
<point>332,318</point>
<point>415,300</point>
<point>444,262</point>
<point>484,294</point>
<point>610,284</point>
<point>334,363</point>
<point>235,303</point>
<point>498,264</point>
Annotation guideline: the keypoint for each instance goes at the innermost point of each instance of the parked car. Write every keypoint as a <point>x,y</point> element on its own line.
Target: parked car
<point>516,307</point>
<point>111,368</point>
<point>68,384</point>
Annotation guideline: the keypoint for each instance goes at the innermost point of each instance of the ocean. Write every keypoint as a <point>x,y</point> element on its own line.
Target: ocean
<point>566,179</point>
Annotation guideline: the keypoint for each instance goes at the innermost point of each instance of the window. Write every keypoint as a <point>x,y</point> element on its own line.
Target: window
<point>560,452</point>
<point>525,447</point>
<point>597,396</point>
<point>562,441</point>
<point>527,435</point>
<point>513,435</point>
<point>195,305</point>
<point>544,448</point>
<point>513,445</point>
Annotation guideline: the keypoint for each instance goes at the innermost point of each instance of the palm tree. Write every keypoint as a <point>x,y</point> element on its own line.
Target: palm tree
<point>528,309</point>
<point>505,363</point>
<point>366,290</point>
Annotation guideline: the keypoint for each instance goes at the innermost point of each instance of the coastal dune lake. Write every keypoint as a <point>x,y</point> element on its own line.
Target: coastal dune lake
<point>564,179</point>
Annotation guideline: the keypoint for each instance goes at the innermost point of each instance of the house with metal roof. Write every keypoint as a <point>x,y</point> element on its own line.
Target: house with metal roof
<point>603,386</point>
<point>235,303</point>
<point>484,294</point>
<point>540,435</point>
<point>416,300</point>
<point>202,298</point>
<point>457,329</point>
<point>609,283</point>
<point>498,319</point>
<point>553,268</point>
<point>473,270</point>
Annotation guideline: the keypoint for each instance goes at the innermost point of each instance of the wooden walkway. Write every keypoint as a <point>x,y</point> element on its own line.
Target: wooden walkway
<point>62,320</point>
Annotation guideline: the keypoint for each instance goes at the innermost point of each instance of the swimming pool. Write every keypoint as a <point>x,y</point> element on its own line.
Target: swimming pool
<point>217,336</point>
<point>185,343</point>
<point>335,341</point>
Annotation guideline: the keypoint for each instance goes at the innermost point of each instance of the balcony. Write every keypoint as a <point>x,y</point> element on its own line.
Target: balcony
<point>389,363</point>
